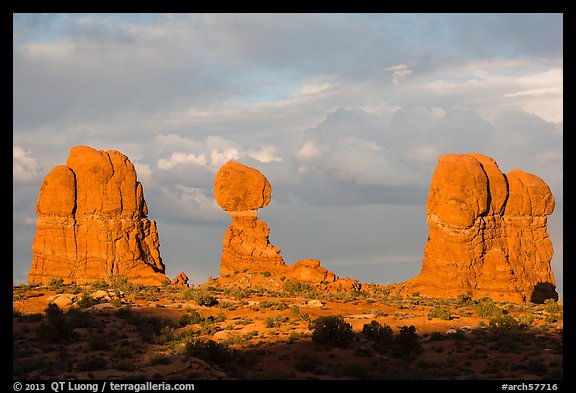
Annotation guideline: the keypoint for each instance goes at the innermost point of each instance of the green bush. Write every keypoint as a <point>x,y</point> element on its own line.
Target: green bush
<point>86,301</point>
<point>208,350</point>
<point>92,364</point>
<point>208,327</point>
<point>200,296</point>
<point>150,328</point>
<point>190,318</point>
<point>296,288</point>
<point>126,365</point>
<point>355,370</point>
<point>331,330</point>
<point>464,300</point>
<point>382,336</point>
<point>487,309</point>
<point>272,322</point>
<point>440,313</point>
<point>57,327</point>
<point>55,283</point>
<point>554,311</point>
<point>507,322</point>
<point>306,363</point>
<point>407,344</point>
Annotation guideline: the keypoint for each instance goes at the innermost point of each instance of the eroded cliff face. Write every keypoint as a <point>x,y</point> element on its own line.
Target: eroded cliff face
<point>92,223</point>
<point>487,233</point>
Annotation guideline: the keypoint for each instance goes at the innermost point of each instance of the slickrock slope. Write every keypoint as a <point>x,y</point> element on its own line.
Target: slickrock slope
<point>241,191</point>
<point>92,223</point>
<point>487,233</point>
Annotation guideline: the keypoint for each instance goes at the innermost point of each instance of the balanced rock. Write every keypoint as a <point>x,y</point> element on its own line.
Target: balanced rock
<point>241,191</point>
<point>487,233</point>
<point>238,187</point>
<point>92,223</point>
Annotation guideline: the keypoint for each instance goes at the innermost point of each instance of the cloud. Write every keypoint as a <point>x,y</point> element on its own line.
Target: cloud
<point>25,168</point>
<point>300,97</point>
<point>266,154</point>
<point>399,72</point>
<point>179,158</point>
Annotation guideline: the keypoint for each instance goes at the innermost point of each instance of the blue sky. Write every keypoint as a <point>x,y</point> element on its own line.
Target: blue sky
<point>346,114</point>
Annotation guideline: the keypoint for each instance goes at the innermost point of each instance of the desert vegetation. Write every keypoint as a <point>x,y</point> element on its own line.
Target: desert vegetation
<point>207,332</point>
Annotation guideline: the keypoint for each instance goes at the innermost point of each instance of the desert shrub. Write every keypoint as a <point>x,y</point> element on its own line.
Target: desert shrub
<point>190,318</point>
<point>86,301</point>
<point>535,366</point>
<point>504,322</point>
<point>354,370</point>
<point>56,283</point>
<point>97,342</point>
<point>296,288</point>
<point>487,309</point>
<point>36,317</point>
<point>380,291</point>
<point>116,302</point>
<point>440,313</point>
<point>126,365</point>
<point>150,328</point>
<point>208,326</point>
<point>167,334</point>
<point>100,284</point>
<point>554,311</point>
<point>92,364</point>
<point>331,330</point>
<point>506,341</point>
<point>201,297</point>
<point>272,322</point>
<point>381,336</point>
<point>407,345</point>
<point>464,300</point>
<point>208,350</point>
<point>234,293</point>
<point>56,327</point>
<point>306,363</point>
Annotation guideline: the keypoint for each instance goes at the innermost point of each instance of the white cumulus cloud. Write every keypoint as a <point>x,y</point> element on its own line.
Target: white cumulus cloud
<point>179,158</point>
<point>24,167</point>
<point>266,154</point>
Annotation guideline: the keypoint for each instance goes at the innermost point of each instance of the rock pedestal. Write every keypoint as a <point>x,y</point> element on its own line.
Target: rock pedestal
<point>247,252</point>
<point>241,191</point>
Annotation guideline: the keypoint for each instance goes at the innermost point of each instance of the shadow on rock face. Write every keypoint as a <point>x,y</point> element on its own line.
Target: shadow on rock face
<point>543,291</point>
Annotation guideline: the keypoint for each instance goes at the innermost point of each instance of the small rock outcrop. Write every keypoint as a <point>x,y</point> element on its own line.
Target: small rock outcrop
<point>92,223</point>
<point>181,280</point>
<point>248,257</point>
<point>487,233</point>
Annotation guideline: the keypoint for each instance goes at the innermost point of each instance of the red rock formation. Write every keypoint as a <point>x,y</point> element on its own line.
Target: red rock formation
<point>240,191</point>
<point>181,280</point>
<point>487,233</point>
<point>92,223</point>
